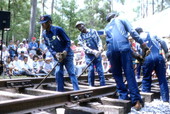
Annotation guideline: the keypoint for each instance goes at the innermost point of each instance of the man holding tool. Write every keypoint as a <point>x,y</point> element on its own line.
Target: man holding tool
<point>58,43</point>
<point>119,54</point>
<point>92,45</point>
<point>155,61</point>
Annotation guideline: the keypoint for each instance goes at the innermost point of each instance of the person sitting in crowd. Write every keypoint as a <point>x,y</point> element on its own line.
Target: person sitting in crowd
<point>48,65</point>
<point>105,63</point>
<point>73,46</point>
<point>36,66</point>
<point>24,41</point>
<point>27,68</point>
<point>8,66</point>
<point>33,46</point>
<point>21,56</point>
<point>43,48</point>
<point>5,53</point>
<point>17,66</point>
<point>22,48</point>
<point>79,59</point>
<point>41,61</point>
<point>12,49</point>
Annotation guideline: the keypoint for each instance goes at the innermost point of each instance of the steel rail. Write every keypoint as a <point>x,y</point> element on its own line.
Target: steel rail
<point>26,105</point>
<point>34,81</point>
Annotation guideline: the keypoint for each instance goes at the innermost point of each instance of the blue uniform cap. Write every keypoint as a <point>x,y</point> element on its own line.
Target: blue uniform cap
<point>111,15</point>
<point>44,19</point>
<point>139,30</point>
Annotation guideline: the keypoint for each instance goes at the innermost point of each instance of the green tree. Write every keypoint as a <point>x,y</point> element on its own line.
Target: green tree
<point>95,16</point>
<point>20,18</point>
<point>32,19</point>
<point>66,17</point>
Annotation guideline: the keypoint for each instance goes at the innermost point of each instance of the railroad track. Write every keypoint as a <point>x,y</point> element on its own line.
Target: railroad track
<point>19,96</point>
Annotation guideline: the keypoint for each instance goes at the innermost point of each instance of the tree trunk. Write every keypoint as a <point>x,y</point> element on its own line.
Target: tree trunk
<point>162,5</point>
<point>43,6</point>
<point>142,9</point>
<point>32,19</point>
<point>146,8</point>
<point>42,13</point>
<point>52,6</point>
<point>153,5</point>
<point>9,6</point>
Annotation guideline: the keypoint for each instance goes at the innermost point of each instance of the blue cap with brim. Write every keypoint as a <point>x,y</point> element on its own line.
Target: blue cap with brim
<point>44,19</point>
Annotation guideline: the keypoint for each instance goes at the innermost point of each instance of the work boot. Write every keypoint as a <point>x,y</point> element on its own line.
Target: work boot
<point>137,106</point>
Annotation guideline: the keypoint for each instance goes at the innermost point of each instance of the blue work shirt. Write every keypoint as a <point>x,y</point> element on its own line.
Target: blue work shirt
<point>90,41</point>
<point>33,44</point>
<point>155,44</point>
<point>57,40</point>
<point>117,34</point>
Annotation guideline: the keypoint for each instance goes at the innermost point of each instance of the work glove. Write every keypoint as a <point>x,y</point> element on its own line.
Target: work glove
<point>167,56</point>
<point>146,50</point>
<point>64,54</point>
<point>101,50</point>
<point>138,57</point>
<point>96,53</point>
<point>61,56</point>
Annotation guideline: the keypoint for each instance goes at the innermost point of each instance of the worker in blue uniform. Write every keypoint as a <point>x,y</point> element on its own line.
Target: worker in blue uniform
<point>92,45</point>
<point>119,54</point>
<point>58,43</point>
<point>155,61</point>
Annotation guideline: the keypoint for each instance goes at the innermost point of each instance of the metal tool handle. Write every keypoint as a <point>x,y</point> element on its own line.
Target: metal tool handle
<point>47,75</point>
<point>86,67</point>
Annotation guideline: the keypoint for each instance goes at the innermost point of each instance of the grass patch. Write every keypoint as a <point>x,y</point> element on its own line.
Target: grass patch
<point>12,77</point>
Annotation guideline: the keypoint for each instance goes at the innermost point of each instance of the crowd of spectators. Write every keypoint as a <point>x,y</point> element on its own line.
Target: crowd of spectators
<point>34,59</point>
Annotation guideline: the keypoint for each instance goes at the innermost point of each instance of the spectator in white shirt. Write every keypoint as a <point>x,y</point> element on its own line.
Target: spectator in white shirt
<point>27,68</point>
<point>5,53</point>
<point>36,65</point>
<point>21,56</point>
<point>17,63</point>
<point>17,66</point>
<point>41,61</point>
<point>8,66</point>
<point>48,65</point>
<point>105,63</point>
<point>22,48</point>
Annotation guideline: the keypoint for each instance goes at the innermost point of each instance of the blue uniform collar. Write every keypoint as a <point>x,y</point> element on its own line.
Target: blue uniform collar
<point>51,30</point>
<point>88,30</point>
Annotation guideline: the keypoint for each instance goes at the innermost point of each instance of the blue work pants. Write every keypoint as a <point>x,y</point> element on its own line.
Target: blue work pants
<point>122,60</point>
<point>68,62</point>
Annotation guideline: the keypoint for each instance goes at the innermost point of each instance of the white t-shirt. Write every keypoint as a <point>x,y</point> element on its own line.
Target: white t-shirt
<point>22,49</point>
<point>17,64</point>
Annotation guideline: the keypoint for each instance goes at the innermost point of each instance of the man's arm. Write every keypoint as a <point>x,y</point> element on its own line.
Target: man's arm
<point>100,47</point>
<point>136,37</point>
<point>85,47</point>
<point>132,31</point>
<point>162,43</point>
<point>48,46</point>
<point>65,38</point>
<point>164,47</point>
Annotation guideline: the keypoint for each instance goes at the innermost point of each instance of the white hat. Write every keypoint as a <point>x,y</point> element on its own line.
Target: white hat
<point>79,22</point>
<point>47,58</point>
<point>72,41</point>
<point>21,43</point>
<point>79,43</point>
